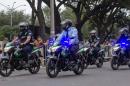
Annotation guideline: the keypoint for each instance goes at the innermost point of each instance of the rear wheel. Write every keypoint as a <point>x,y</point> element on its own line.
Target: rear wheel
<point>129,65</point>
<point>35,66</point>
<point>86,65</point>
<point>114,63</point>
<point>5,68</point>
<point>100,62</point>
<point>52,68</point>
<point>79,68</point>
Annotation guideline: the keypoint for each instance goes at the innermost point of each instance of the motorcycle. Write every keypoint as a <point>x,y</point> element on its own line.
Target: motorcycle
<point>119,56</point>
<point>12,60</point>
<point>92,59</point>
<point>60,59</point>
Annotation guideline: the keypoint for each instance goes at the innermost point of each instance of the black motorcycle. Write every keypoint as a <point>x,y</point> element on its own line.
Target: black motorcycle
<point>91,58</point>
<point>61,60</point>
<point>12,59</point>
<point>119,56</point>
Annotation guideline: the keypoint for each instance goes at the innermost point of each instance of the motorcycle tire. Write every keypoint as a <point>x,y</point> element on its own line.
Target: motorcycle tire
<point>79,66</point>
<point>52,66</point>
<point>114,63</point>
<point>100,62</point>
<point>35,66</point>
<point>5,68</point>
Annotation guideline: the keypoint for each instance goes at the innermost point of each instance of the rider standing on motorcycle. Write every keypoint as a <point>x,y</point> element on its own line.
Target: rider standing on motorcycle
<point>94,41</point>
<point>125,37</point>
<point>25,37</point>
<point>71,33</point>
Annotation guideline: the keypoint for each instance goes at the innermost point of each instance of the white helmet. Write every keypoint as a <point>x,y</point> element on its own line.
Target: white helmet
<point>23,25</point>
<point>93,32</point>
<point>66,24</point>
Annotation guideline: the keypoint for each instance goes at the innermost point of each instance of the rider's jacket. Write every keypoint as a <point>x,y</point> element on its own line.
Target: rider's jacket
<point>94,40</point>
<point>24,34</point>
<point>71,33</point>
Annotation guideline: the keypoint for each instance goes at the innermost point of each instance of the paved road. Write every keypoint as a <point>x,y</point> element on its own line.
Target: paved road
<point>91,77</point>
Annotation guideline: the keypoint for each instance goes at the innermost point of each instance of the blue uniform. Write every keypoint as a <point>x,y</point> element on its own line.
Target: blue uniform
<point>71,33</point>
<point>27,49</point>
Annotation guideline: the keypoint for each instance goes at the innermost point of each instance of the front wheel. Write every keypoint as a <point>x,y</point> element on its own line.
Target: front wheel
<point>5,68</point>
<point>52,68</point>
<point>114,63</point>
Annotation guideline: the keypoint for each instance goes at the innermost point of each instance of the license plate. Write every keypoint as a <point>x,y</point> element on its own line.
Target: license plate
<point>4,55</point>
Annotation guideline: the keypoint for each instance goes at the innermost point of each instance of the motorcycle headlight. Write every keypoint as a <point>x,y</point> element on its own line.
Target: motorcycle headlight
<point>53,49</point>
<point>115,48</point>
<point>49,51</point>
<point>85,49</point>
<point>6,49</point>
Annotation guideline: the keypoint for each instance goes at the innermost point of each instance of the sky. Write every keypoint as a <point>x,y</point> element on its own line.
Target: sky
<point>26,9</point>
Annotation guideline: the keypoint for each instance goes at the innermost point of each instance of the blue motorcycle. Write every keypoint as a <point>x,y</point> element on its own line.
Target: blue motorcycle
<point>60,59</point>
<point>119,56</point>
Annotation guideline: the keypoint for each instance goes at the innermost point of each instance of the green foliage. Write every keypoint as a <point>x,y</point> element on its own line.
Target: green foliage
<point>18,16</point>
<point>8,32</point>
<point>68,14</point>
<point>2,37</point>
<point>5,29</point>
<point>88,26</point>
<point>124,3</point>
<point>46,11</point>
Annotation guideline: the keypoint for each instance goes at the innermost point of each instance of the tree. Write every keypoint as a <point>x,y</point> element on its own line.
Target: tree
<point>56,13</point>
<point>18,16</point>
<point>40,16</point>
<point>68,14</point>
<point>5,29</point>
<point>86,9</point>
<point>8,32</point>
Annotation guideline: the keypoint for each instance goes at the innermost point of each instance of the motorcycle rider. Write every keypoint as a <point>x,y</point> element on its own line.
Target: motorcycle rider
<point>125,37</point>
<point>94,41</point>
<point>70,32</point>
<point>25,37</point>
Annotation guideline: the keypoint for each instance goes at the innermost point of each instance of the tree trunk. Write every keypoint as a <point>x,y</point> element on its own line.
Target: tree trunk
<point>80,35</point>
<point>41,20</point>
<point>33,14</point>
<point>57,21</point>
<point>40,16</point>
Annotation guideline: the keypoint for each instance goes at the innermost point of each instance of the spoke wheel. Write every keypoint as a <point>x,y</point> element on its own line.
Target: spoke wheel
<point>51,68</point>
<point>5,68</point>
<point>114,63</point>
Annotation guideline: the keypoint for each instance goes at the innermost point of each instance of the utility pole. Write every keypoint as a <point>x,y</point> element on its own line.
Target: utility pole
<point>52,18</point>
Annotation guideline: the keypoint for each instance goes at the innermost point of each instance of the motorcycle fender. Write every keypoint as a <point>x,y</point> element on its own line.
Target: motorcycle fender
<point>52,57</point>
